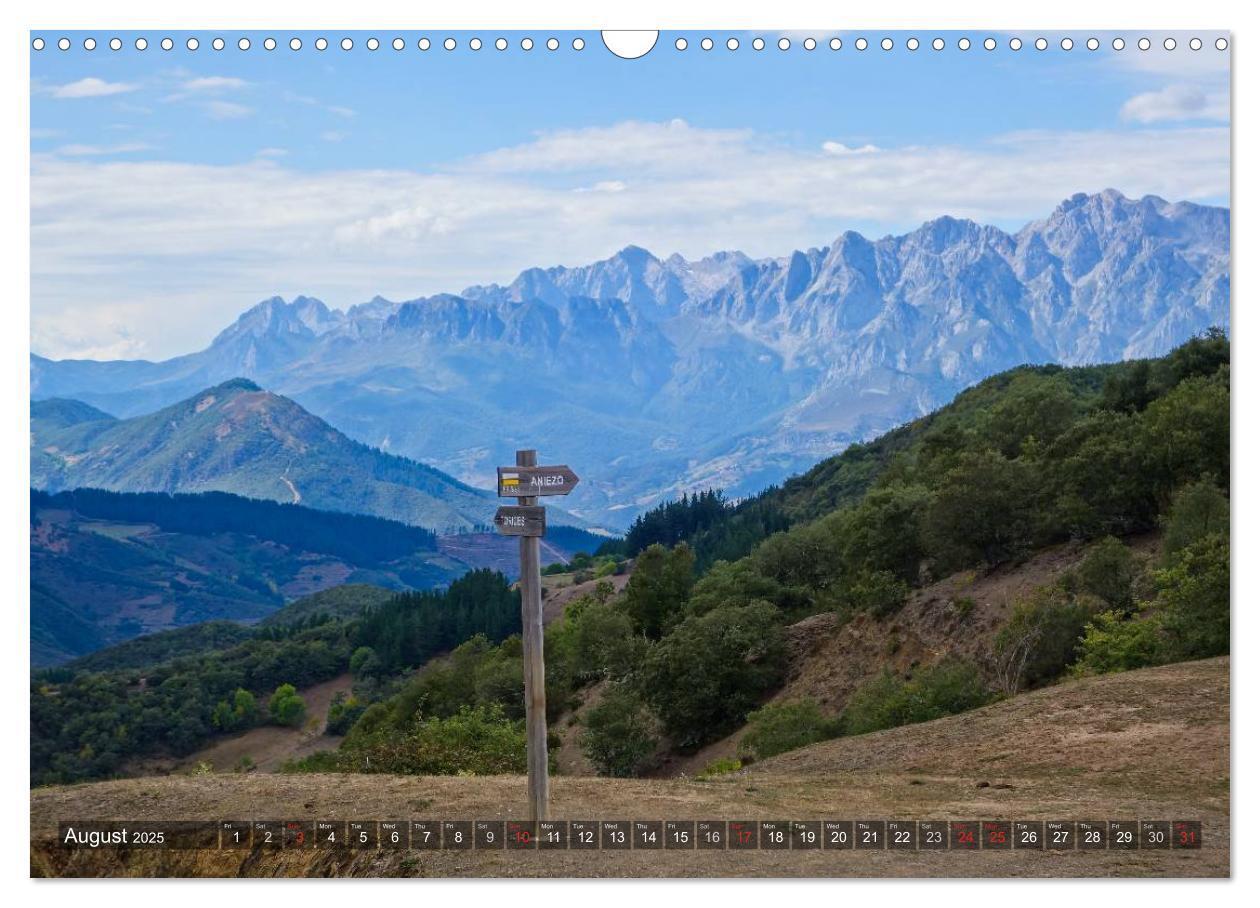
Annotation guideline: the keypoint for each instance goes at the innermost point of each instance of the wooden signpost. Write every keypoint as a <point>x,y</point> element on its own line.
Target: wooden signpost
<point>527,519</point>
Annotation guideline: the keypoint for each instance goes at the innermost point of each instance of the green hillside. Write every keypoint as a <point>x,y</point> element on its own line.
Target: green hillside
<point>110,566</point>
<point>237,438</point>
<point>169,693</point>
<point>339,602</point>
<point>1027,463</point>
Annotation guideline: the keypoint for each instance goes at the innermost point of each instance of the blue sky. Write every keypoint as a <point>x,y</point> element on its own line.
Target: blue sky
<point>172,189</point>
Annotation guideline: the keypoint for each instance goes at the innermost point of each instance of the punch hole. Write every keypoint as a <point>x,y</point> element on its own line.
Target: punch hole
<point>630,45</point>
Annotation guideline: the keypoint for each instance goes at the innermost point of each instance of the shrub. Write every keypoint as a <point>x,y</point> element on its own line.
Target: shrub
<point>879,592</point>
<point>982,512</point>
<point>1193,599</point>
<point>1198,510</point>
<point>1188,619</point>
<point>887,701</point>
<point>605,644</point>
<point>720,767</point>
<point>477,740</point>
<point>705,676</point>
<point>779,727</point>
<point>364,662</point>
<point>1113,644</point>
<point>883,534</point>
<point>343,712</point>
<point>1040,640</point>
<point>619,736</point>
<point>659,587</point>
<point>241,712</point>
<point>320,761</point>
<point>733,585</point>
<point>1108,571</point>
<point>286,706</point>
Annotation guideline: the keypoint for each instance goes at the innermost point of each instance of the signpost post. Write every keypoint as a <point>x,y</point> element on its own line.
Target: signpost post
<point>526,482</point>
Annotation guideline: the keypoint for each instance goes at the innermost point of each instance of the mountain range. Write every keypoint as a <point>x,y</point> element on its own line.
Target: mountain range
<point>654,376</point>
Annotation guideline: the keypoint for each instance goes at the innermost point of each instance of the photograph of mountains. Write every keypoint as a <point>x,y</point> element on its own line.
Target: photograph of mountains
<point>903,436</point>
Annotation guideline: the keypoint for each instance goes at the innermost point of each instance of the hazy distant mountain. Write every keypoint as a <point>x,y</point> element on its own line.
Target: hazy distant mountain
<point>237,438</point>
<point>655,376</point>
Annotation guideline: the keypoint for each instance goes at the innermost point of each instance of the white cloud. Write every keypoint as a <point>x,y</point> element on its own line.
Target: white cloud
<point>178,250</point>
<point>340,111</point>
<point>92,87</point>
<point>1176,102</point>
<point>604,186</point>
<point>841,148</point>
<point>86,151</point>
<point>271,152</point>
<point>332,135</point>
<point>214,84</point>
<point>227,110</point>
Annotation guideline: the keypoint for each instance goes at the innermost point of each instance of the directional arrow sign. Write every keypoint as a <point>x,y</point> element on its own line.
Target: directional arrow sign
<point>521,520</point>
<point>524,482</point>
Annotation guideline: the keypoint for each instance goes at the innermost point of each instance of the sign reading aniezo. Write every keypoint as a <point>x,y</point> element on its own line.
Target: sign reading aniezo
<point>526,482</point>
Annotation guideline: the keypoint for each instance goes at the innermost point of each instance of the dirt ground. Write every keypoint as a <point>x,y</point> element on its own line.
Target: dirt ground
<point>1149,744</point>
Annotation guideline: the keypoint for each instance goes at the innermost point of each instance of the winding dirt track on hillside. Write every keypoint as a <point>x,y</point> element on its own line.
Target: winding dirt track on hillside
<point>1150,744</point>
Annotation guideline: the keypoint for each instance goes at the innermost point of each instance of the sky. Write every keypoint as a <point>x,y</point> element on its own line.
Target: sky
<point>173,189</point>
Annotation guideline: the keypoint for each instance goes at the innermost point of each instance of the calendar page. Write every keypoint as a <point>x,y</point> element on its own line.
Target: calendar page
<point>703,453</point>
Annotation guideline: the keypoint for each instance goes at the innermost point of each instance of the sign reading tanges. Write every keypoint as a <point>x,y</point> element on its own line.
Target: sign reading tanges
<point>525,482</point>
<point>521,520</point>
